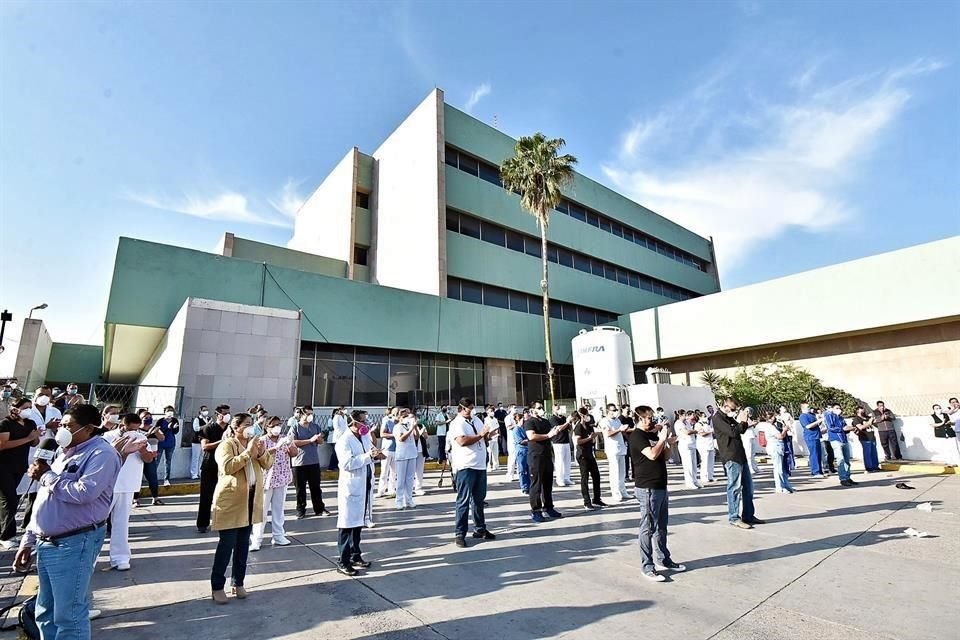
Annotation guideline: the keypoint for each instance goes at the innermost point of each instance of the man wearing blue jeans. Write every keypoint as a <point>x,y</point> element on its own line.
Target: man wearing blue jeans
<point>837,433</point>
<point>69,523</point>
<point>468,455</point>
<point>649,453</point>
<point>728,426</point>
<point>520,447</point>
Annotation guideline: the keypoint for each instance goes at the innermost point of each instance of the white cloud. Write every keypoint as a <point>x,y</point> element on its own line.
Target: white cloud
<point>478,94</point>
<point>228,206</point>
<point>289,200</point>
<point>784,168</point>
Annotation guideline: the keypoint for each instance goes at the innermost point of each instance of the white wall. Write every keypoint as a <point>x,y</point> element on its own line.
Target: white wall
<point>907,286</point>
<point>324,224</point>
<point>33,355</point>
<point>409,202</point>
<point>163,367</point>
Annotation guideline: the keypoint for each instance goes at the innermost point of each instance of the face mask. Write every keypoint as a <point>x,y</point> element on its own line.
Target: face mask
<point>71,392</point>
<point>226,418</point>
<point>42,401</point>
<point>113,418</point>
<point>147,422</point>
<point>253,432</point>
<point>56,391</point>
<point>169,415</point>
<point>275,431</point>
<point>63,437</point>
<point>13,385</point>
<point>363,430</point>
<point>615,413</point>
<point>204,413</point>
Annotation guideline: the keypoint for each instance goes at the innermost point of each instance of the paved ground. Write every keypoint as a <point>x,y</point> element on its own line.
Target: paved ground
<point>831,563</point>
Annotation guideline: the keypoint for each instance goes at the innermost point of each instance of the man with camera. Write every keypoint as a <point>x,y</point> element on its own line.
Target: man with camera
<point>728,427</point>
<point>468,455</point>
<point>69,522</point>
<point>540,459</point>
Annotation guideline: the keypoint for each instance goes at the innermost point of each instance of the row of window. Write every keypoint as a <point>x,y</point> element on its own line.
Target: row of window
<point>490,173</point>
<point>500,236</point>
<point>492,296</point>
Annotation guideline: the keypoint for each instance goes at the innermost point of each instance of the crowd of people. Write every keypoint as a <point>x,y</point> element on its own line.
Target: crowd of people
<point>78,472</point>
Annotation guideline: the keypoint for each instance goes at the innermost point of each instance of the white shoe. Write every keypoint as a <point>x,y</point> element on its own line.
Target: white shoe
<point>93,614</point>
<point>675,567</point>
<point>166,483</point>
<point>369,524</point>
<point>419,492</point>
<point>653,576</point>
<point>123,566</point>
<point>280,542</point>
<point>255,547</point>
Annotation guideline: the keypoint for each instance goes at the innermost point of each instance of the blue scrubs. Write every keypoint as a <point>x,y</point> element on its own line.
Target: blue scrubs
<point>519,435</point>
<point>812,439</point>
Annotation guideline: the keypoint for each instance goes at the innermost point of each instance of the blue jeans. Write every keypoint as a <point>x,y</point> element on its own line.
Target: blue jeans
<point>780,478</point>
<point>64,569</point>
<point>471,492</point>
<point>813,446</point>
<point>871,461</point>
<point>167,455</point>
<point>654,514</point>
<point>842,452</point>
<point>150,472</point>
<point>233,543</point>
<point>523,469</point>
<point>739,492</point>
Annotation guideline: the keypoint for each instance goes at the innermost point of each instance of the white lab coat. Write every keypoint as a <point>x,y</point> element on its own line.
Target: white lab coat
<point>339,428</point>
<point>354,497</point>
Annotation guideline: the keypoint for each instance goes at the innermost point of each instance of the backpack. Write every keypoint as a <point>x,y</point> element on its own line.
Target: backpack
<point>26,619</point>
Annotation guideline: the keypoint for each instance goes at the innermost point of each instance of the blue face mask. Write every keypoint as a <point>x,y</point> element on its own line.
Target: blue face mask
<point>255,431</point>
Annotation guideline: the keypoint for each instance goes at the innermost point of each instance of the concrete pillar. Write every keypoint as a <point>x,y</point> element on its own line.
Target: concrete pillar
<point>33,355</point>
<point>500,381</point>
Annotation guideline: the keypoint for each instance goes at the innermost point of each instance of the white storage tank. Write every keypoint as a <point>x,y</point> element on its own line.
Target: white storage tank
<point>602,361</point>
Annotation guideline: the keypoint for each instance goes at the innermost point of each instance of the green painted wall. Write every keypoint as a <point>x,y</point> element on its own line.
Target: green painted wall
<point>281,256</point>
<point>79,363</point>
<point>481,140</point>
<point>365,172</point>
<point>489,202</point>
<point>143,293</point>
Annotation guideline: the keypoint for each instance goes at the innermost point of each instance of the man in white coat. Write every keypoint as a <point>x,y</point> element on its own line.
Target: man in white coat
<point>356,455</point>
<point>616,450</point>
<point>686,430</point>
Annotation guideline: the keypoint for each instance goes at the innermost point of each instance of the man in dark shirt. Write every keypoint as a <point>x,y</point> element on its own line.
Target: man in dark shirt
<point>585,437</point>
<point>884,418</point>
<point>868,442</point>
<point>210,437</point>
<point>501,415</point>
<point>540,459</point>
<point>649,450</point>
<point>561,447</point>
<point>728,426</point>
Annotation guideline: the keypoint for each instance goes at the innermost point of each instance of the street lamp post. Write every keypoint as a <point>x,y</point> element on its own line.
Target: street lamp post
<point>39,307</point>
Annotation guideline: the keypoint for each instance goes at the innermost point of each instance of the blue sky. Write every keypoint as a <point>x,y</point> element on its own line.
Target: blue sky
<point>797,134</point>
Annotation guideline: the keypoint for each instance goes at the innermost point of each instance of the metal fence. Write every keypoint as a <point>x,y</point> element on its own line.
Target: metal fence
<point>131,397</point>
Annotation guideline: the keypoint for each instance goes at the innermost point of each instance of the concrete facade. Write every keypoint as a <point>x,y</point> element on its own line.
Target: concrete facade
<point>33,354</point>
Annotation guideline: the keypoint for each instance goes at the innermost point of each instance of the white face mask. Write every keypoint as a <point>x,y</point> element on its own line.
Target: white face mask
<point>41,401</point>
<point>113,418</point>
<point>226,418</point>
<point>169,414</point>
<point>204,413</point>
<point>539,412</point>
<point>63,437</point>
<point>275,431</point>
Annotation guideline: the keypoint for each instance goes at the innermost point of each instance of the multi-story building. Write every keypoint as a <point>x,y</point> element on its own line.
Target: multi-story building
<point>410,269</point>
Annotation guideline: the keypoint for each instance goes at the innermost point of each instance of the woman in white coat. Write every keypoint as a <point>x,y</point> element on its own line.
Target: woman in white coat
<point>355,456</point>
<point>706,446</point>
<point>686,430</point>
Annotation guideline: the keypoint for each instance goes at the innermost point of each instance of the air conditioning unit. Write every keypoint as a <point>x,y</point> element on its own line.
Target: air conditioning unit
<point>656,375</point>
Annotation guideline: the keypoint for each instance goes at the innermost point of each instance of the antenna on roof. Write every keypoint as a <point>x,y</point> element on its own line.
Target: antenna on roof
<point>495,121</point>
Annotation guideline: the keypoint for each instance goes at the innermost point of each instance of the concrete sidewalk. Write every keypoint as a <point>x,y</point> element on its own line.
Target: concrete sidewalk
<point>830,563</point>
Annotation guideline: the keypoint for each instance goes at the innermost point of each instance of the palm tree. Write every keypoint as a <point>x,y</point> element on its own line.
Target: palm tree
<point>538,172</point>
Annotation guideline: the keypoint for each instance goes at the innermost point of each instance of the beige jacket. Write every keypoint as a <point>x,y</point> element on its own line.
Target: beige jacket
<point>230,498</point>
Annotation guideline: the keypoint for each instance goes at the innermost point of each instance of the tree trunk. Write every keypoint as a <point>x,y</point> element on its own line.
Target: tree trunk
<point>545,288</point>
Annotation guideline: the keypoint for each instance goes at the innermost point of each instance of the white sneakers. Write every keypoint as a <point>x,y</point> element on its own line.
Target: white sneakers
<point>280,542</point>
<point>166,483</point>
<point>653,576</point>
<point>254,546</point>
<point>122,566</point>
<point>419,492</point>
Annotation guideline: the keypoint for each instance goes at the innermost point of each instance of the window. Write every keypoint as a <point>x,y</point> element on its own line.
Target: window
<point>493,234</point>
<point>593,219</point>
<point>597,267</point>
<point>363,200</point>
<point>490,173</point>
<point>536,305</point>
<point>333,383</point>
<point>469,165</point>
<point>646,284</point>
<point>360,255</point>
<point>453,288</point>
<point>367,354</point>
<point>588,317</point>
<point>453,221</point>
<point>627,234</point>
<point>334,352</point>
<point>569,311</point>
<point>556,311</point>
<point>565,257</point>
<point>617,229</point>
<point>634,281</point>
<point>605,225</point>
<point>622,277</point>
<point>450,157</point>
<point>532,247</point>
<point>610,272</point>
<point>514,241</point>
<point>370,385</point>
<point>563,207</point>
<point>578,212</point>
<point>552,254</point>
<point>518,301</point>
<point>471,292</point>
<point>495,297</point>
<point>470,227</point>
<point>581,263</point>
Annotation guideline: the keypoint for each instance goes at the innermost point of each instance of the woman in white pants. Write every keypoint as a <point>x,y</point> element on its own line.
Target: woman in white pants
<point>686,430</point>
<point>421,436</point>
<point>275,486</point>
<point>511,422</point>
<point>406,458</point>
<point>388,445</point>
<point>131,444</point>
<point>706,447</point>
<point>493,447</point>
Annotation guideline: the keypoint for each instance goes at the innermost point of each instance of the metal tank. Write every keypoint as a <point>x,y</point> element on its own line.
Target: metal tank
<point>602,364</point>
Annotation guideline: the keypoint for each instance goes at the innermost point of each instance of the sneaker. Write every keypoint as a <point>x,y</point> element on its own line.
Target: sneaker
<point>589,507</point>
<point>419,492</point>
<point>536,516</point>
<point>301,516</point>
<point>166,483</point>
<point>600,503</point>
<point>347,571</point>
<point>123,566</point>
<point>818,476</point>
<point>93,614</point>
<point>157,502</point>
<point>360,563</point>
<point>254,547</point>
<point>280,542</point>
<point>758,521</point>
<point>553,513</point>
<point>483,534</point>
<point>846,483</point>
<point>740,524</point>
<point>852,481</point>
<point>526,493</point>
<point>460,542</point>
<point>201,529</point>
<point>653,576</point>
<point>368,524</point>
<point>323,513</point>
<point>671,566</point>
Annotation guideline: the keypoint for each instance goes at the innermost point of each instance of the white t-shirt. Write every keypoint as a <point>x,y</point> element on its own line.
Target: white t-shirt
<point>683,438</point>
<point>467,457</point>
<point>491,424</point>
<point>747,438</point>
<point>131,473</point>
<point>614,445</point>
<point>441,421</point>
<point>406,449</point>
<point>705,434</point>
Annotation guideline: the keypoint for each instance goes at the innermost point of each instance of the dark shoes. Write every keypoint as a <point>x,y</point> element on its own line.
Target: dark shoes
<point>360,563</point>
<point>483,534</point>
<point>600,503</point>
<point>301,516</point>
<point>553,513</point>
<point>847,483</point>
<point>536,516</point>
<point>347,571</point>
<point>460,542</point>
<point>201,529</point>
<point>323,513</point>
<point>757,521</point>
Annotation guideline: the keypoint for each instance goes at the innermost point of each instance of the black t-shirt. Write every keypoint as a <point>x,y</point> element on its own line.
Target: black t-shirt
<point>542,427</point>
<point>564,436</point>
<point>16,459</point>
<point>864,435</point>
<point>582,430</point>
<point>211,433</point>
<point>627,421</point>
<point>196,434</point>
<point>647,473</point>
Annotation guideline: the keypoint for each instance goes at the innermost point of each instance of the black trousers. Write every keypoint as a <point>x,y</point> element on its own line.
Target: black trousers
<point>308,474</point>
<point>208,484</point>
<point>541,481</point>
<point>831,458</point>
<point>628,462</point>
<point>348,545</point>
<point>891,445</point>
<point>9,479</point>
<point>588,467</point>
